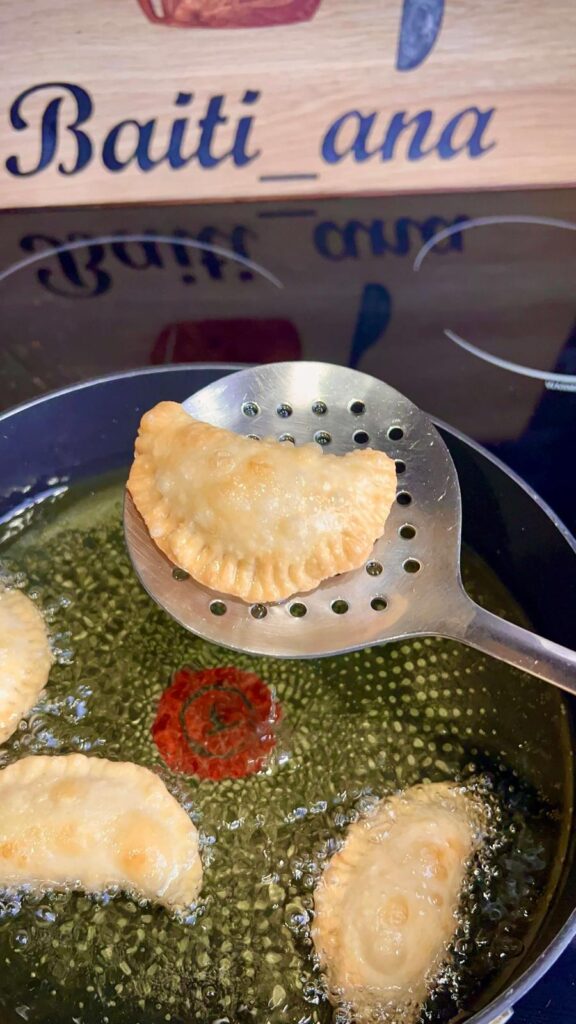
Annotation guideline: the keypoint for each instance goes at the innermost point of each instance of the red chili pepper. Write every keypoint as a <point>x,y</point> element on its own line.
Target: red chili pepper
<point>216,723</point>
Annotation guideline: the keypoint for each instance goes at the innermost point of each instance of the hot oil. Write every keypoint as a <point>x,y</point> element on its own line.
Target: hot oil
<point>353,729</point>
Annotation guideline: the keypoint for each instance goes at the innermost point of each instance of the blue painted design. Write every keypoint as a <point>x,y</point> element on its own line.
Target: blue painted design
<point>356,239</point>
<point>83,267</point>
<point>70,276</point>
<point>130,141</point>
<point>305,176</point>
<point>474,144</point>
<point>50,129</point>
<point>285,214</point>
<point>362,137</point>
<point>372,321</point>
<point>419,30</point>
<point>362,125</point>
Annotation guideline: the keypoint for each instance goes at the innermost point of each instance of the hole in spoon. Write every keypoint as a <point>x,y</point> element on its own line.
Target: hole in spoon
<point>319,408</point>
<point>407,532</point>
<point>339,607</point>
<point>373,568</point>
<point>250,408</point>
<point>284,410</point>
<point>379,604</point>
<point>400,466</point>
<point>180,574</point>
<point>412,565</point>
<point>361,437</point>
<point>254,437</point>
<point>258,611</point>
<point>403,498</point>
<point>218,608</point>
<point>395,433</point>
<point>287,437</point>
<point>357,408</point>
<point>322,437</point>
<point>298,610</point>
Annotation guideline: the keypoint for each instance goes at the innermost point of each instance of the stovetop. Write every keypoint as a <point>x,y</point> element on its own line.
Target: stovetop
<point>479,330</point>
<point>553,1000</point>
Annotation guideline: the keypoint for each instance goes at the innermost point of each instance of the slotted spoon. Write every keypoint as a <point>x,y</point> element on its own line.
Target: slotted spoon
<point>411,585</point>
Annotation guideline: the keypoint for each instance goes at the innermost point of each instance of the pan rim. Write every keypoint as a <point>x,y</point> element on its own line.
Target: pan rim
<point>503,1003</point>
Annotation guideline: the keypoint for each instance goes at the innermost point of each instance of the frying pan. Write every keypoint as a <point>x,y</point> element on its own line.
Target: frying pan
<point>89,429</point>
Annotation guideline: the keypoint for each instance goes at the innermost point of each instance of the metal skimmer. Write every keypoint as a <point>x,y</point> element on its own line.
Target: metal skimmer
<point>410,586</point>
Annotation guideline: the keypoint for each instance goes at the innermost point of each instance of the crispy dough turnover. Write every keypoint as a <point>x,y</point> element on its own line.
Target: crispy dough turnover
<point>385,907</point>
<point>258,519</point>
<point>25,658</point>
<point>91,823</point>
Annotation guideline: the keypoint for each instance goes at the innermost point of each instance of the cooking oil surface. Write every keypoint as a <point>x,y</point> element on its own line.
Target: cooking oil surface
<point>347,731</point>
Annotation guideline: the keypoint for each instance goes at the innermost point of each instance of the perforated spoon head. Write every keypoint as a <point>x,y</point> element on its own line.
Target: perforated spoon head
<point>413,568</point>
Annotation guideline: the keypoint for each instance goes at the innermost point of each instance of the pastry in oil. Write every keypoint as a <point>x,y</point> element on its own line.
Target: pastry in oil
<point>85,822</point>
<point>386,905</point>
<point>25,658</point>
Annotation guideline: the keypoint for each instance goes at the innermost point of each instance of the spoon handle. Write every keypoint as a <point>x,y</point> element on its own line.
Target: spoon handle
<point>492,635</point>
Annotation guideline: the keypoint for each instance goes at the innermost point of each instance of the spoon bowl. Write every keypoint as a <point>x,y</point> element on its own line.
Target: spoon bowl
<point>411,584</point>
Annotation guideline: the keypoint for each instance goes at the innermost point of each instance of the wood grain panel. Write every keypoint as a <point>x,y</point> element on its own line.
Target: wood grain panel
<point>491,105</point>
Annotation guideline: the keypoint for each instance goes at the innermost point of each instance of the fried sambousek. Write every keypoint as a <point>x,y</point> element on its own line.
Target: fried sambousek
<point>261,520</point>
<point>85,822</point>
<point>25,658</point>
<point>386,905</point>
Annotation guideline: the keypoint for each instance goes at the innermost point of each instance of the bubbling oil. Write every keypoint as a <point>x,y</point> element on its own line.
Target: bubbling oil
<point>354,729</point>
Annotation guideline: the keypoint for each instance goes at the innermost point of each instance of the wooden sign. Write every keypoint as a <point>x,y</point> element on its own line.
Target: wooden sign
<point>152,100</point>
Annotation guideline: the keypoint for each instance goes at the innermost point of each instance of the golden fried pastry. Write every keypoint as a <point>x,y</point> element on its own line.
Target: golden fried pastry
<point>77,821</point>
<point>258,519</point>
<point>385,907</point>
<point>25,658</point>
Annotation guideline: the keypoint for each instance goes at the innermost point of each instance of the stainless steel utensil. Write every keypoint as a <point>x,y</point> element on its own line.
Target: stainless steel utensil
<point>410,586</point>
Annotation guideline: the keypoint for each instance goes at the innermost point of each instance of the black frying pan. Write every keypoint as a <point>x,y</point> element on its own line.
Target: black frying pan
<point>89,429</point>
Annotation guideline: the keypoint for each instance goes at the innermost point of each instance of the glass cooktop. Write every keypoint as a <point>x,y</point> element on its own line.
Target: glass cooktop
<point>463,302</point>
